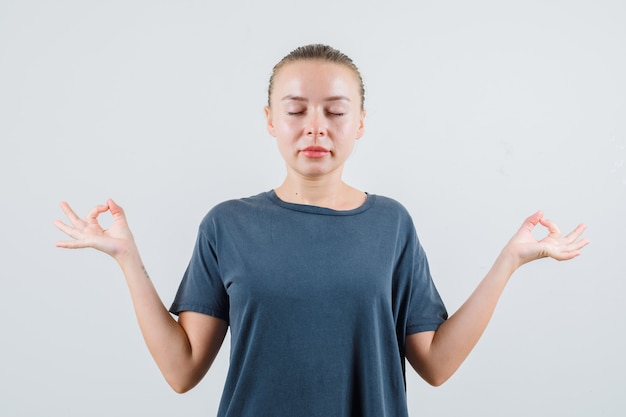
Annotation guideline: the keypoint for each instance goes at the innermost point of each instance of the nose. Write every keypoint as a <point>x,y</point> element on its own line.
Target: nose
<point>316,125</point>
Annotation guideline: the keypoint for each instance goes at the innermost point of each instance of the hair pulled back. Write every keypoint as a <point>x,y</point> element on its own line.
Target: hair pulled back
<point>317,52</point>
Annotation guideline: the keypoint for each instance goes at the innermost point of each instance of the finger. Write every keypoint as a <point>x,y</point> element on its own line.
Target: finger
<point>575,234</point>
<point>531,221</point>
<point>579,244</point>
<point>569,250</point>
<point>69,213</point>
<point>552,227</point>
<point>566,256</point>
<point>119,216</point>
<point>68,230</point>
<point>92,216</point>
<point>572,252</point>
<point>71,244</point>
<point>116,211</point>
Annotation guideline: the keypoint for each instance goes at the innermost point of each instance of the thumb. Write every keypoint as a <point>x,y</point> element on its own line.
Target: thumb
<point>116,211</point>
<point>532,221</point>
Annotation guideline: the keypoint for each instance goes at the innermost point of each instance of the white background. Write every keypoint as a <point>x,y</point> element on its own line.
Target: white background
<point>479,114</point>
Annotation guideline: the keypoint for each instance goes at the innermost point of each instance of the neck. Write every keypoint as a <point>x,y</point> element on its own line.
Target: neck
<point>321,192</point>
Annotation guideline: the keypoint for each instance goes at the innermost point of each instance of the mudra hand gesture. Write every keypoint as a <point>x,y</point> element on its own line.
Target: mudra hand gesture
<point>526,248</point>
<point>87,233</point>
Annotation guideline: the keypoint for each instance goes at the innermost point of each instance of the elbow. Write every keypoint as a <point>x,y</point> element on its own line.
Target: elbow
<point>181,386</point>
<point>180,389</point>
<point>435,377</point>
<point>436,381</point>
<point>182,378</point>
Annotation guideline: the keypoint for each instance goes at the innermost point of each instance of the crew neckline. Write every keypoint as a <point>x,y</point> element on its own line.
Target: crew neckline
<point>305,208</point>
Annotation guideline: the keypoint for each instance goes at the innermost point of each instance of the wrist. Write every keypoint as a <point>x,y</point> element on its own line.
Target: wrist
<point>127,254</point>
<point>509,259</point>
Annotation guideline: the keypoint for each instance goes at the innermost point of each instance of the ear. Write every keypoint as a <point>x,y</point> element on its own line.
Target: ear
<point>361,128</point>
<point>270,121</point>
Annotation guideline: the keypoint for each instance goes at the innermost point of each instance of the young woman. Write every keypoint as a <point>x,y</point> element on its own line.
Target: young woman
<point>325,288</point>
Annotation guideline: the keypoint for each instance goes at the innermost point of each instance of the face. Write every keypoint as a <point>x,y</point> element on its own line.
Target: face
<point>315,116</point>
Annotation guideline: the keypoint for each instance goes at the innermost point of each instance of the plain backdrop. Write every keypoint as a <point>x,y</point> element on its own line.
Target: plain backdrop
<point>479,114</point>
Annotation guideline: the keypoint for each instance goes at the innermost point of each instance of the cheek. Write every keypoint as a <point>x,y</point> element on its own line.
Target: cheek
<point>349,129</point>
<point>286,127</point>
<point>284,134</point>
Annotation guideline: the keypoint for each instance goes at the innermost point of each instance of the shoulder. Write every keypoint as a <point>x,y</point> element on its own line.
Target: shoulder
<point>391,207</point>
<point>239,204</point>
<point>389,203</point>
<point>395,217</point>
<point>235,210</point>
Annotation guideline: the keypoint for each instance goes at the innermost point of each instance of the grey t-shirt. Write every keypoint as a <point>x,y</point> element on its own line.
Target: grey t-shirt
<point>319,303</point>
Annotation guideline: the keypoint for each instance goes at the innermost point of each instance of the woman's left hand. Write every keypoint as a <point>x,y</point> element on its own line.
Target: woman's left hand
<point>526,248</point>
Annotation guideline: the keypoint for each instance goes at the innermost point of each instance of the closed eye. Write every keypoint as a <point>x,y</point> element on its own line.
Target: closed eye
<point>294,113</point>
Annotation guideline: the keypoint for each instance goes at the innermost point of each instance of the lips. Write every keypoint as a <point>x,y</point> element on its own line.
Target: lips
<point>315,152</point>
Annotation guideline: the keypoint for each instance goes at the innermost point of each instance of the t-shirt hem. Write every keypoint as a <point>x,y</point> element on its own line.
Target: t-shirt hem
<point>176,309</point>
<point>431,327</point>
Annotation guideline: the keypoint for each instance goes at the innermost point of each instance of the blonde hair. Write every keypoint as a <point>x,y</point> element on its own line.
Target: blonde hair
<point>317,52</point>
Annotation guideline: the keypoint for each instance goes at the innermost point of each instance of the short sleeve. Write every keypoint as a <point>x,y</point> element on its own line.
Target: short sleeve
<point>419,307</point>
<point>202,289</point>
<point>426,308</point>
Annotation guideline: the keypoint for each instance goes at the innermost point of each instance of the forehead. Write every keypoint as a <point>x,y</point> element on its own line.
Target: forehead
<point>314,78</point>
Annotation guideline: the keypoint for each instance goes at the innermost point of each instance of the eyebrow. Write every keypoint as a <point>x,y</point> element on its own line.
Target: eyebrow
<point>299,98</point>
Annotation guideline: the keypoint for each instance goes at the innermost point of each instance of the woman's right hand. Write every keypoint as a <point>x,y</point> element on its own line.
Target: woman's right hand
<point>116,241</point>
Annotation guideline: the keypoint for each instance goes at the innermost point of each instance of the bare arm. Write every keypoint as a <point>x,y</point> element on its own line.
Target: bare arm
<point>437,355</point>
<point>184,349</point>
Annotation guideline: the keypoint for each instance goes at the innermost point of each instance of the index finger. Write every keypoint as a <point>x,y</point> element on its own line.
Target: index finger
<point>552,227</point>
<point>95,212</point>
